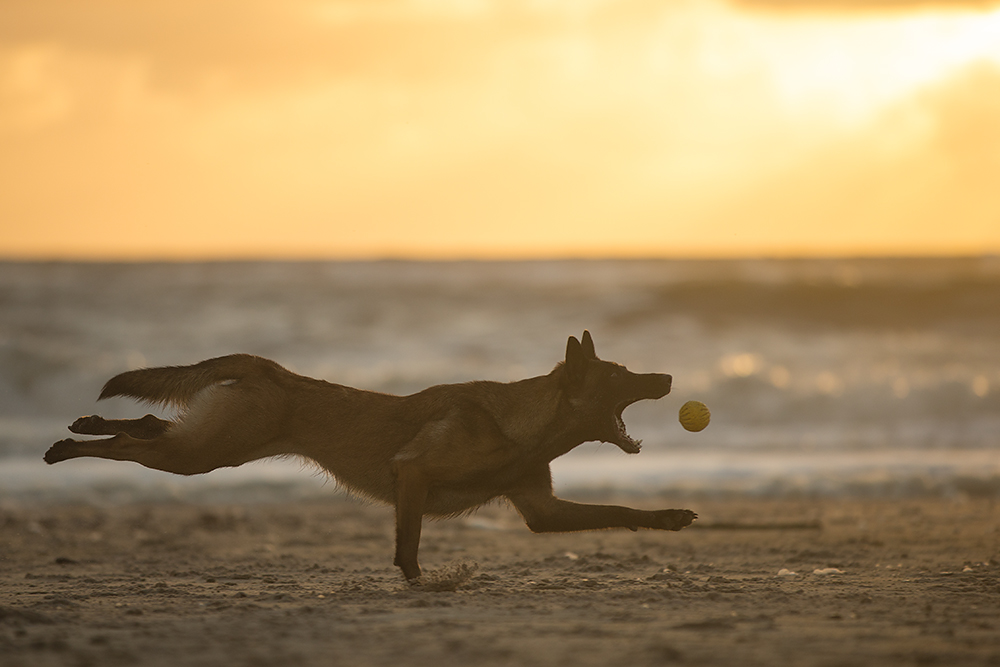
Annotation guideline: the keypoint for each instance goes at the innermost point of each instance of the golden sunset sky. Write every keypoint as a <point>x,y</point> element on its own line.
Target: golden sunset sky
<point>498,128</point>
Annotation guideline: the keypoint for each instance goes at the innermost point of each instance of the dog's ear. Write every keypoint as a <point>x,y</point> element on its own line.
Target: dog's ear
<point>576,360</point>
<point>588,345</point>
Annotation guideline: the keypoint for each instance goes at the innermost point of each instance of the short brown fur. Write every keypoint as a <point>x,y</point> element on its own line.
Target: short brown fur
<point>440,452</point>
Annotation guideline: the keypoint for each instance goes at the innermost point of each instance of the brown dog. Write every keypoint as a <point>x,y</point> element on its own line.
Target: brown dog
<point>443,451</point>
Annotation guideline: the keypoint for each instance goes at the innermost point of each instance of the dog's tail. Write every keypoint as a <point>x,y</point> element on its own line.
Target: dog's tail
<point>177,385</point>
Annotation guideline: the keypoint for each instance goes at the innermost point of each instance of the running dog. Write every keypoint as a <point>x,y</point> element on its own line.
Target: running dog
<point>441,452</point>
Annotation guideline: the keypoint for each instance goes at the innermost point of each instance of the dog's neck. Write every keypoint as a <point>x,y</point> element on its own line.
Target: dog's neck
<point>542,425</point>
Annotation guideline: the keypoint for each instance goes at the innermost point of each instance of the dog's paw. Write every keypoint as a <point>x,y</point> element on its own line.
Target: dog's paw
<point>89,425</point>
<point>60,451</point>
<point>674,519</point>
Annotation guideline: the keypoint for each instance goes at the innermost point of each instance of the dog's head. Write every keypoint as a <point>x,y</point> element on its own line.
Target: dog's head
<point>599,391</point>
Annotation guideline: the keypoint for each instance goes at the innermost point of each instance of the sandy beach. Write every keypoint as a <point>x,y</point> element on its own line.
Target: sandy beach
<point>756,582</point>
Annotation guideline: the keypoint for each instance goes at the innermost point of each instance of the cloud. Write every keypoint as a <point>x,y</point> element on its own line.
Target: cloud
<point>346,127</point>
<point>919,180</point>
<point>253,43</point>
<point>967,133</point>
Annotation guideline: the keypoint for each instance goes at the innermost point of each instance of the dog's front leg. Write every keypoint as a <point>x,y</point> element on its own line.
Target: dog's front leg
<point>544,513</point>
<point>411,495</point>
<point>554,515</point>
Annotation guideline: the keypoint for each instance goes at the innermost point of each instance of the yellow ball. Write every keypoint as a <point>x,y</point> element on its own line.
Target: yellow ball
<point>694,416</point>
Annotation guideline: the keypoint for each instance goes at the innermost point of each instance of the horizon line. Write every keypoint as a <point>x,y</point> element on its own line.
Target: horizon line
<point>491,259</point>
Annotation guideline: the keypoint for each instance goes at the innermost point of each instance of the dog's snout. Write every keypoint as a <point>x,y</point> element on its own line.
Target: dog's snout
<point>657,385</point>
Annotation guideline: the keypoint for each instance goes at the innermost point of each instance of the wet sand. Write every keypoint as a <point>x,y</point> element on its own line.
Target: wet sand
<point>791,582</point>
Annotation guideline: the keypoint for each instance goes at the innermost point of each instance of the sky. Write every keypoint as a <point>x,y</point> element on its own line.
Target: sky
<point>175,129</point>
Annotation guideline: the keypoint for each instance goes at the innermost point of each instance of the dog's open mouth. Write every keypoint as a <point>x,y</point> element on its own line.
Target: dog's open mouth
<point>627,443</point>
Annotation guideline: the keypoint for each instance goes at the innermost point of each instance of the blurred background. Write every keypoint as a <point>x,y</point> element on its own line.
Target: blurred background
<point>787,204</point>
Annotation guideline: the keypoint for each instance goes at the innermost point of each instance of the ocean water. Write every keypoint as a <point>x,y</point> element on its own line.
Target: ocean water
<point>874,376</point>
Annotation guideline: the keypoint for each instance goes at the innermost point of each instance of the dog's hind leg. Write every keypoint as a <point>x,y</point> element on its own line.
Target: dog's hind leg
<point>182,454</point>
<point>544,513</point>
<point>145,428</point>
<point>222,426</point>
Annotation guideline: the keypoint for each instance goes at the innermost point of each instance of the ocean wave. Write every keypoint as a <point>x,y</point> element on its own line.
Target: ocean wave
<point>790,355</point>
